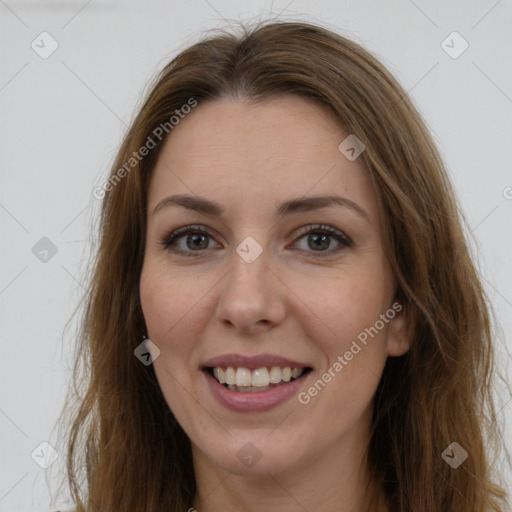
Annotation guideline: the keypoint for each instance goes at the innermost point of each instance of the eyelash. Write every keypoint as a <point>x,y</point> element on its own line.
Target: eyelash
<point>169,241</point>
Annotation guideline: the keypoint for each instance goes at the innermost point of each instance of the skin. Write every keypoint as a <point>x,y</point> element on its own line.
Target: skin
<point>290,301</point>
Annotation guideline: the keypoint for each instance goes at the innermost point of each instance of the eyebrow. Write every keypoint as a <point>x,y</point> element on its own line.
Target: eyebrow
<point>303,204</point>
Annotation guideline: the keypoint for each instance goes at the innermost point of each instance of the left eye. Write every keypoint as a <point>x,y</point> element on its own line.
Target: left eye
<point>320,237</point>
<point>197,239</point>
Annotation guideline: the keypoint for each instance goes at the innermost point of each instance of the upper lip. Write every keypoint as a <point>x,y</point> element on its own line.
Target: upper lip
<point>252,362</point>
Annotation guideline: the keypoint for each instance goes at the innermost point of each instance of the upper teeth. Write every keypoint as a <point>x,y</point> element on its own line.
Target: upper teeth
<point>260,377</point>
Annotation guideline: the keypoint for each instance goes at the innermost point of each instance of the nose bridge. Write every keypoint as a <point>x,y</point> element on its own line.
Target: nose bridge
<point>248,271</point>
<point>251,293</point>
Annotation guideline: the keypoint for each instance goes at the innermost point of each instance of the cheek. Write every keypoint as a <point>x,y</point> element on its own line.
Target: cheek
<point>355,352</point>
<point>342,306</point>
<point>167,305</point>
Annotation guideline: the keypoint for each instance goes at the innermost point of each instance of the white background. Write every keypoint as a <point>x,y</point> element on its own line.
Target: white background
<point>62,119</point>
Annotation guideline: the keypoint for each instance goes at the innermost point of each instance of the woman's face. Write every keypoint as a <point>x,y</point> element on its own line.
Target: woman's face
<point>270,281</point>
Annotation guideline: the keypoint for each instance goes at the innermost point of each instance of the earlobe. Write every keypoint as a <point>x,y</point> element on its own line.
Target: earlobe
<point>399,339</point>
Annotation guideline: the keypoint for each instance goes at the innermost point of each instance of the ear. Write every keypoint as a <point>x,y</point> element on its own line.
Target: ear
<point>400,336</point>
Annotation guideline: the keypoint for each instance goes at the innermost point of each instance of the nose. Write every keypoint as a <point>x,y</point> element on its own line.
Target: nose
<point>252,297</point>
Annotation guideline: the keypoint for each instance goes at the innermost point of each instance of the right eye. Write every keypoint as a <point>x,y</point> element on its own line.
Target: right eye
<point>187,241</point>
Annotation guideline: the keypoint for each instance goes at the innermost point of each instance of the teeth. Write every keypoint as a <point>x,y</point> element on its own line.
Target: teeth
<point>295,372</point>
<point>219,374</point>
<point>275,375</point>
<point>248,389</point>
<point>258,378</point>
<point>230,375</point>
<point>243,377</point>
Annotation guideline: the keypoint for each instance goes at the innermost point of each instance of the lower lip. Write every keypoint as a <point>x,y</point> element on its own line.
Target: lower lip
<point>253,402</point>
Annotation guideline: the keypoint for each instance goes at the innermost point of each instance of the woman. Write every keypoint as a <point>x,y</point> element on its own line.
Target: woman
<point>279,224</point>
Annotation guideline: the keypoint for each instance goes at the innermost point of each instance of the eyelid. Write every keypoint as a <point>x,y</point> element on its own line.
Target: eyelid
<point>343,240</point>
<point>309,228</point>
<point>167,240</point>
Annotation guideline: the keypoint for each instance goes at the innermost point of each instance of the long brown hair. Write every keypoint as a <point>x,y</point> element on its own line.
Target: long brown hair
<point>126,452</point>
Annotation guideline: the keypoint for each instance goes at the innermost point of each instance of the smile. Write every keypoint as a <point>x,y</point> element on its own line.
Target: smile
<point>254,383</point>
<point>245,380</point>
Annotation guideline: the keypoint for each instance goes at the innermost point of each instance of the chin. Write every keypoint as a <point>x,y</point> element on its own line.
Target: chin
<point>253,455</point>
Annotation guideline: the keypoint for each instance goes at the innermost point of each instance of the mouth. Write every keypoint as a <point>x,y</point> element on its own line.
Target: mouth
<point>255,380</point>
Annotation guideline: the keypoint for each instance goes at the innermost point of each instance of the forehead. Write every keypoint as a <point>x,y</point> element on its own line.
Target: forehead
<point>284,147</point>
